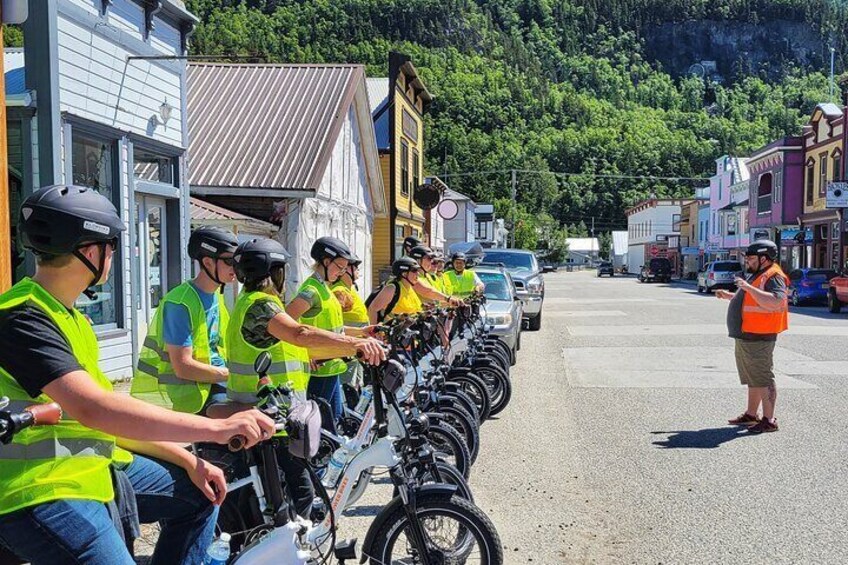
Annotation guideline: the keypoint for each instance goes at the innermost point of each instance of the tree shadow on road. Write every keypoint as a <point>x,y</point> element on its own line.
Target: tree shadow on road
<point>708,438</point>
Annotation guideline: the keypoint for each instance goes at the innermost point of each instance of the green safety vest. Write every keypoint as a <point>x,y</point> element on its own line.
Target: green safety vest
<point>330,318</point>
<point>68,460</point>
<point>289,363</point>
<point>357,316</point>
<point>462,285</point>
<point>154,379</point>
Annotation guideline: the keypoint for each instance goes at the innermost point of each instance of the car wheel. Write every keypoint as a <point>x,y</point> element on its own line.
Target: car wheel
<point>700,289</point>
<point>833,303</point>
<point>708,290</point>
<point>612,275</point>
<point>535,323</point>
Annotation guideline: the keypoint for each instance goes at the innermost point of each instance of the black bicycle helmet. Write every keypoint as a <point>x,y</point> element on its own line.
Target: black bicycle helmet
<point>459,256</point>
<point>763,248</point>
<point>409,242</point>
<point>355,261</point>
<point>405,265</point>
<point>209,241</point>
<point>60,219</point>
<point>255,259</point>
<point>330,248</point>
<point>420,251</point>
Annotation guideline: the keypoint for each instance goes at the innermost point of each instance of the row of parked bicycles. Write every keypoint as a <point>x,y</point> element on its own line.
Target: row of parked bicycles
<point>418,420</point>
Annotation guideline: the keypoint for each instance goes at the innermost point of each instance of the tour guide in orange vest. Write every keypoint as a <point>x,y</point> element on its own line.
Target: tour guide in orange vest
<point>758,311</point>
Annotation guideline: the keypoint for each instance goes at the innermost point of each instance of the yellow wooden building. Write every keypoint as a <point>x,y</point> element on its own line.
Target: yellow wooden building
<point>398,105</point>
<point>824,146</point>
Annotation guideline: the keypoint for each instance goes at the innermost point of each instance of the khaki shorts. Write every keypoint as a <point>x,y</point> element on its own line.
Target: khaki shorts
<point>755,362</point>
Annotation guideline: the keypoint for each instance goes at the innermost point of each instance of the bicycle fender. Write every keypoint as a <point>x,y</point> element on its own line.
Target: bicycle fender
<point>442,491</point>
<point>435,416</point>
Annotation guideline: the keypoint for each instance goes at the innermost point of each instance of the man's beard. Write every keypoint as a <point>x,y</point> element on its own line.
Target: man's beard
<point>752,270</point>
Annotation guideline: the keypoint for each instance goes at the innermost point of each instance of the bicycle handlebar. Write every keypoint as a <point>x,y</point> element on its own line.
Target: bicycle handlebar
<point>36,415</point>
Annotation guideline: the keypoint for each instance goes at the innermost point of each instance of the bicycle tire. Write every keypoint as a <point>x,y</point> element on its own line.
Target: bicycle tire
<point>477,390</point>
<point>447,441</point>
<point>473,521</point>
<point>466,402</point>
<point>460,419</point>
<point>499,385</point>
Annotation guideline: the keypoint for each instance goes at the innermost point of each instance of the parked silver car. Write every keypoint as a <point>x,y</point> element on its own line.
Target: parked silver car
<point>504,308</point>
<point>719,274</point>
<point>524,269</point>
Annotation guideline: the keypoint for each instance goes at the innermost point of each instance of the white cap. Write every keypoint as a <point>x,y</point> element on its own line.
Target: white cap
<point>225,537</point>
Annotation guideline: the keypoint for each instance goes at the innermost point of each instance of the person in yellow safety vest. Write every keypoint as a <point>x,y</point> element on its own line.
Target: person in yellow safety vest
<point>316,305</point>
<point>182,363</point>
<point>402,294</point>
<point>260,323</point>
<point>424,255</point>
<point>757,313</point>
<point>439,266</point>
<point>56,482</point>
<point>355,314</point>
<point>463,282</point>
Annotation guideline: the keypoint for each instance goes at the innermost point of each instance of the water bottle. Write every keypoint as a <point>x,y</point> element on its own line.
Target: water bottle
<point>219,552</point>
<point>334,467</point>
<point>364,400</point>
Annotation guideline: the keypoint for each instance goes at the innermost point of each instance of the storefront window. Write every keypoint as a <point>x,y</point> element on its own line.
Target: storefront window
<point>399,236</point>
<point>92,166</point>
<point>148,166</point>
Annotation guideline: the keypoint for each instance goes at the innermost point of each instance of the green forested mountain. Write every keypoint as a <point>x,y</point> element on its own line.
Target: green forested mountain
<point>559,85</point>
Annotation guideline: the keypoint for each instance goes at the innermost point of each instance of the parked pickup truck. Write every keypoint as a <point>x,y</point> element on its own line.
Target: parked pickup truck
<point>837,293</point>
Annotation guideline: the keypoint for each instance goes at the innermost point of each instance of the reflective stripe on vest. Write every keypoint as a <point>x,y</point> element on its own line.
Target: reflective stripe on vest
<point>154,379</point>
<point>758,320</point>
<point>408,302</point>
<point>358,313</point>
<point>461,285</point>
<point>67,460</point>
<point>330,318</point>
<point>289,363</point>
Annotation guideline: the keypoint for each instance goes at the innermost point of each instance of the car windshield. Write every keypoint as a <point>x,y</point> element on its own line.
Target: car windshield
<point>497,287</point>
<point>820,275</point>
<point>514,261</point>
<point>605,264</point>
<point>727,266</point>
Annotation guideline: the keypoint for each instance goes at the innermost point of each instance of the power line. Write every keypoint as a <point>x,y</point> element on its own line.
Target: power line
<point>566,175</point>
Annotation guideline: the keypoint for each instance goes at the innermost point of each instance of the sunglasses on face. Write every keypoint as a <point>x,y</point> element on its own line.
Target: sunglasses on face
<point>113,243</point>
<point>228,261</point>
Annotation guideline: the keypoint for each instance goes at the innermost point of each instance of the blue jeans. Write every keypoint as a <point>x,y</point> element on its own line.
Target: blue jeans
<point>330,389</point>
<point>82,532</point>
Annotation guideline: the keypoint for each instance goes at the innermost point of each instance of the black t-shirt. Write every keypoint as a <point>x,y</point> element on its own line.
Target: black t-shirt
<point>775,285</point>
<point>33,349</point>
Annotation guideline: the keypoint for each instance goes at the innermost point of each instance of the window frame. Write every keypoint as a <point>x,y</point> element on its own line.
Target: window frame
<point>810,184</point>
<point>763,205</point>
<point>823,174</point>
<point>404,168</point>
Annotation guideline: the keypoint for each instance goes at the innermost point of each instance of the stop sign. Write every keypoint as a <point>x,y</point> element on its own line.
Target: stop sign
<point>654,251</point>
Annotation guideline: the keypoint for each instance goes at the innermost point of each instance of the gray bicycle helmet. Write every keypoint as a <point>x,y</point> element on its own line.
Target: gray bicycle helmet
<point>330,248</point>
<point>420,251</point>
<point>210,241</point>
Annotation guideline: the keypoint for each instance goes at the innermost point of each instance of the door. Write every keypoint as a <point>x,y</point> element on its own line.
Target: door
<point>150,250</point>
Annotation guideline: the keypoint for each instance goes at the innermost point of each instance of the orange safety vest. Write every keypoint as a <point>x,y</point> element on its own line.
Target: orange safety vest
<point>758,320</point>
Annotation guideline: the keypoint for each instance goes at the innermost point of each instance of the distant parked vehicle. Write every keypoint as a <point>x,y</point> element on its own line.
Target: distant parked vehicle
<point>719,274</point>
<point>837,293</point>
<point>527,278</point>
<point>606,268</point>
<point>657,270</point>
<point>504,308</point>
<point>809,285</point>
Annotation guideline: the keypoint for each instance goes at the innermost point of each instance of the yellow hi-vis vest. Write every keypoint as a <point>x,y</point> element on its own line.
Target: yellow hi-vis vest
<point>65,461</point>
<point>154,379</point>
<point>357,316</point>
<point>462,285</point>
<point>289,363</point>
<point>330,318</point>
<point>408,302</point>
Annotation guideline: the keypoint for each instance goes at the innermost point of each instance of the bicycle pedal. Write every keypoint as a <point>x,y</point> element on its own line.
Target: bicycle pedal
<point>345,549</point>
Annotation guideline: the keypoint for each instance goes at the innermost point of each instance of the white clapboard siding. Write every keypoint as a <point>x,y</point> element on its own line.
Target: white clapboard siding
<point>116,357</point>
<point>93,7</point>
<point>98,83</point>
<point>126,15</point>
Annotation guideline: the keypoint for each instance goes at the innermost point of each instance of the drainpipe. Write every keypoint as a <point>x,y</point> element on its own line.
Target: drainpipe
<point>840,213</point>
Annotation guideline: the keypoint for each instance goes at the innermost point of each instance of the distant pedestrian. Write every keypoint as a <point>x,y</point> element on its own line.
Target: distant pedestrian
<point>758,311</point>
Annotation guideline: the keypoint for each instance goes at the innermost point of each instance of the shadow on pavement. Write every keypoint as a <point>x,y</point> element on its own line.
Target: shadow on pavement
<point>708,438</point>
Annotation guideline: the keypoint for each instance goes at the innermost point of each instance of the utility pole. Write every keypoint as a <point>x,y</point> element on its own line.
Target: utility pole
<point>514,205</point>
<point>832,79</point>
<point>592,242</point>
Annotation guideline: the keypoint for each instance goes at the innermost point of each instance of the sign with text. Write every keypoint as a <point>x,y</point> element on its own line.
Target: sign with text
<point>837,195</point>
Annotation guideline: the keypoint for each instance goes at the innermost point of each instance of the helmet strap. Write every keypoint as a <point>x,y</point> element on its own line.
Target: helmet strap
<point>97,271</point>
<point>214,277</point>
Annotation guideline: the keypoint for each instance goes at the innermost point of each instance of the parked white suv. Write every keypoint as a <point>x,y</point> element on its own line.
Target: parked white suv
<point>719,274</point>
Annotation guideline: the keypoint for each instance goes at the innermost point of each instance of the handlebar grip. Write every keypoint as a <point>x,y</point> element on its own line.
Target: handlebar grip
<point>45,414</point>
<point>264,380</point>
<point>237,443</point>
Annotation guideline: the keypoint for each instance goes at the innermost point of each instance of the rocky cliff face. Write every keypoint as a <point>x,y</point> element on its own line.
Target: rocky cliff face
<point>736,47</point>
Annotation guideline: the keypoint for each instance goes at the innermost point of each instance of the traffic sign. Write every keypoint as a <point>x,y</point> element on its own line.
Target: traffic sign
<point>654,251</point>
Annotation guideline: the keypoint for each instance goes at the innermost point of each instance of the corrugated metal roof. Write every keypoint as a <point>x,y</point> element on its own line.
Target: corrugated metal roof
<point>579,244</point>
<point>830,109</point>
<point>13,64</point>
<point>265,126</point>
<point>378,93</point>
<point>206,212</point>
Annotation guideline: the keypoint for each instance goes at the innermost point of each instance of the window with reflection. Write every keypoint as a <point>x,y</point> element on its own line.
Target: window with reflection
<point>152,167</point>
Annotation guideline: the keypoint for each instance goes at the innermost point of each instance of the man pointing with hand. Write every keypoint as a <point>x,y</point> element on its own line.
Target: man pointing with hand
<point>758,311</point>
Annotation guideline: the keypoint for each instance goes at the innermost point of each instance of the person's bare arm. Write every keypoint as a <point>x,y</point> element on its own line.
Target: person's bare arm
<point>427,291</point>
<point>380,302</point>
<point>205,476</point>
<point>190,369</point>
<point>766,300</point>
<point>724,294</point>
<point>129,418</point>
<point>322,344</point>
<point>297,308</point>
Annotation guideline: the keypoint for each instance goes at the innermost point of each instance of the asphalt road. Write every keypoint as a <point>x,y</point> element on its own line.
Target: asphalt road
<point>615,447</point>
